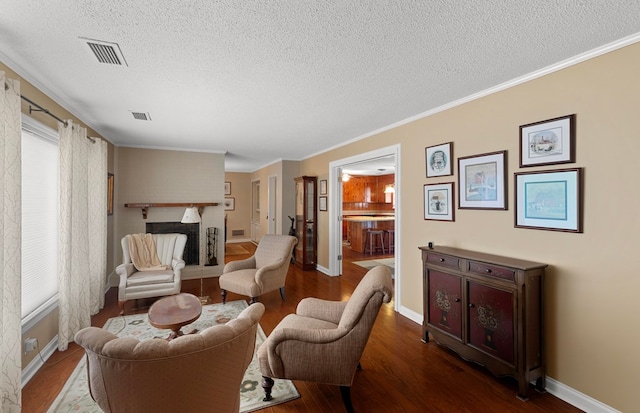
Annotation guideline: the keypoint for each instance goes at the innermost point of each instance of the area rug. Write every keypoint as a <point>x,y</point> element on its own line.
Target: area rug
<point>369,264</point>
<point>75,397</point>
<point>235,249</point>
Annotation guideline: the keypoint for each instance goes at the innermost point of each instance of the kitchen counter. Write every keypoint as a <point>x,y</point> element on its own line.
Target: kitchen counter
<point>357,225</point>
<point>365,218</point>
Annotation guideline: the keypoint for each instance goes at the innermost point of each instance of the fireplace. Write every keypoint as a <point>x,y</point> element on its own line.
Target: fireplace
<point>192,231</point>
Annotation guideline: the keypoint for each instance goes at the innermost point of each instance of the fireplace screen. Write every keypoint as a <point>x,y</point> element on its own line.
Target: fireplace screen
<point>192,231</point>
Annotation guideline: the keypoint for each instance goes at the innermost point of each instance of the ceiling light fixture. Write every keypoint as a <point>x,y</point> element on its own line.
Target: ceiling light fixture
<point>345,177</point>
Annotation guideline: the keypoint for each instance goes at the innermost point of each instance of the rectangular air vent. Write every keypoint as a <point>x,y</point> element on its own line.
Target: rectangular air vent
<point>106,52</point>
<point>237,232</point>
<point>141,116</point>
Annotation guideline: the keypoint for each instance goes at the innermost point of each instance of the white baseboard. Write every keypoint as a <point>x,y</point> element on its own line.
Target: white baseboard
<point>577,399</point>
<point>35,364</point>
<point>322,269</point>
<point>238,240</point>
<point>559,390</point>
<point>411,315</point>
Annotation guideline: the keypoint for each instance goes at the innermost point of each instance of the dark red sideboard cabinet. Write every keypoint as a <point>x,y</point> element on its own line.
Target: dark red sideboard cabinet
<point>488,309</point>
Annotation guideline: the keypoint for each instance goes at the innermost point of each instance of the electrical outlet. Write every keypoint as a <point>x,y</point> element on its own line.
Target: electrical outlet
<point>30,344</point>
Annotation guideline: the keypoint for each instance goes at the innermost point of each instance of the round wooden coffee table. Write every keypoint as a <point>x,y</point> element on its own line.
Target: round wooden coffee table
<point>175,311</point>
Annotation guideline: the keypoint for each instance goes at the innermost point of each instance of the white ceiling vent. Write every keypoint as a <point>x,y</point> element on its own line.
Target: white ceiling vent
<point>141,116</point>
<point>106,52</point>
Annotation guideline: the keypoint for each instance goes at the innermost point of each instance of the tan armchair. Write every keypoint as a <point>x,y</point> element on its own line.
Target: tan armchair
<point>136,284</point>
<point>261,273</point>
<point>324,340</point>
<point>199,372</point>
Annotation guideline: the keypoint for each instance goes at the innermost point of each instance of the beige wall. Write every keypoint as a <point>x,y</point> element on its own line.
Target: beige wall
<point>240,217</point>
<point>591,309</point>
<point>148,175</point>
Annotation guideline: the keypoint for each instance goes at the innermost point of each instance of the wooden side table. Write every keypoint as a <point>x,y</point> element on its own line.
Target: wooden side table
<point>174,312</point>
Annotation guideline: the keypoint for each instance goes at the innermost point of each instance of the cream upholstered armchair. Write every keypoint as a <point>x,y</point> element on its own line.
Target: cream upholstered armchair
<point>159,282</point>
<point>261,273</point>
<point>324,340</point>
<point>199,372</point>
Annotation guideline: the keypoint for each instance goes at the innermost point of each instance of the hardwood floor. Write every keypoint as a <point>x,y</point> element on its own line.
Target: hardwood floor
<point>400,373</point>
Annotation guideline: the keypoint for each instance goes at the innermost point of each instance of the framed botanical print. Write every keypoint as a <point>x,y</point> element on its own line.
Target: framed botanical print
<point>482,181</point>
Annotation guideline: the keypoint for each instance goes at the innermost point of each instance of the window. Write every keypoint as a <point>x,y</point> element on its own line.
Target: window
<point>39,217</point>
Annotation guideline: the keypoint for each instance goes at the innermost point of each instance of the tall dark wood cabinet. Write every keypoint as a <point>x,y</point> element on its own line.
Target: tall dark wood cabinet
<point>488,309</point>
<point>306,222</point>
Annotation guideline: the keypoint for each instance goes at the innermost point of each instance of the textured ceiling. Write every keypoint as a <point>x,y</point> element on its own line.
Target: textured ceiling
<point>266,80</point>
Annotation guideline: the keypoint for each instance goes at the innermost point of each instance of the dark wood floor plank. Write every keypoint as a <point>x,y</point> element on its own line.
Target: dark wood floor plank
<point>400,373</point>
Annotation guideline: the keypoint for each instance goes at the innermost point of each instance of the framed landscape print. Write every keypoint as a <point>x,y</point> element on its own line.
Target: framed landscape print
<point>482,181</point>
<point>548,142</point>
<point>438,160</point>
<point>549,200</point>
<point>438,202</point>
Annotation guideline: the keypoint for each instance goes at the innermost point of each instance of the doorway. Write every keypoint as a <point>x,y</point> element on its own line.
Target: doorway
<point>336,212</point>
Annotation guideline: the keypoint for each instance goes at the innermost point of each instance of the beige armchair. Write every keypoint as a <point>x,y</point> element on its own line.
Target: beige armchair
<point>199,372</point>
<point>136,284</point>
<point>265,271</point>
<point>324,340</point>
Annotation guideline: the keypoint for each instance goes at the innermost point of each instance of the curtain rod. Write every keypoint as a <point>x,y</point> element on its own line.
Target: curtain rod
<point>41,109</point>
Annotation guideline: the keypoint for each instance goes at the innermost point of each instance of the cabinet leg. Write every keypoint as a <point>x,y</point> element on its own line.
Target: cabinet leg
<point>541,384</point>
<point>425,338</point>
<point>523,389</point>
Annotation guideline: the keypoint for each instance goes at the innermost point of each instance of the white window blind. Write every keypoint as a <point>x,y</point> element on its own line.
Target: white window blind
<point>39,215</point>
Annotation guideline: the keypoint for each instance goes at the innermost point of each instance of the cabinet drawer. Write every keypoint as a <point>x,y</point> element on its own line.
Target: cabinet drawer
<point>492,270</point>
<point>445,260</point>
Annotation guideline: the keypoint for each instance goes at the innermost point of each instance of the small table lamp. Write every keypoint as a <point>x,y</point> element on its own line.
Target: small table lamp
<point>192,216</point>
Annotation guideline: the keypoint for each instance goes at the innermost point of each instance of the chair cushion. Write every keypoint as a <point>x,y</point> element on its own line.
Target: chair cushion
<point>304,323</point>
<point>150,277</point>
<point>241,282</point>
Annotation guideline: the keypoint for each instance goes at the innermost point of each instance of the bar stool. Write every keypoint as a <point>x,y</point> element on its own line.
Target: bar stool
<point>391,239</point>
<point>371,239</point>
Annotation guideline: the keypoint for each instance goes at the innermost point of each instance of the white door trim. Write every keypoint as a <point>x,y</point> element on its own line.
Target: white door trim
<point>335,211</point>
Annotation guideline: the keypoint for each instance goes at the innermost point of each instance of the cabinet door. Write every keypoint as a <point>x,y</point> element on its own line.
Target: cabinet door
<point>445,302</point>
<point>491,321</point>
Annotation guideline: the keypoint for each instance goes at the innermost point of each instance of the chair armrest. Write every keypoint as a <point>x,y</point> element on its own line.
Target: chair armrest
<point>240,265</point>
<point>272,275</point>
<point>321,309</point>
<point>93,338</point>
<point>125,270</point>
<point>311,336</point>
<point>177,264</point>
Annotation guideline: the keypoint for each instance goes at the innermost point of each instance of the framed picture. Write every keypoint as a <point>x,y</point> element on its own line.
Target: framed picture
<point>439,202</point>
<point>229,204</point>
<point>482,181</point>
<point>323,187</point>
<point>227,188</point>
<point>549,200</point>
<point>109,194</point>
<point>439,160</point>
<point>548,142</point>
<point>323,203</point>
